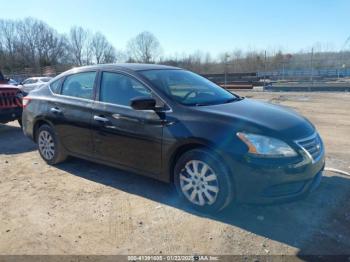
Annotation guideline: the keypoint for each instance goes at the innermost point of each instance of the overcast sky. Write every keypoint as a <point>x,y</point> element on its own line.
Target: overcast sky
<point>207,25</point>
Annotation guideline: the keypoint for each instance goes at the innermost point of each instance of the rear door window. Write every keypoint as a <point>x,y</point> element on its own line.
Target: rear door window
<point>79,85</point>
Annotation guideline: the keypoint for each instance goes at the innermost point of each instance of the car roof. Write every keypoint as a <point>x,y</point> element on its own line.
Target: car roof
<point>124,66</point>
<point>38,77</point>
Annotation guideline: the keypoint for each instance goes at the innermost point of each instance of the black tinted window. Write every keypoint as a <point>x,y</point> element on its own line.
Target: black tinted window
<point>79,85</point>
<point>188,88</point>
<point>55,86</point>
<point>120,89</point>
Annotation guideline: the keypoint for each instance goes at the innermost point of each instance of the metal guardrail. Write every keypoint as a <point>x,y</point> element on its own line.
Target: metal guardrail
<point>306,73</point>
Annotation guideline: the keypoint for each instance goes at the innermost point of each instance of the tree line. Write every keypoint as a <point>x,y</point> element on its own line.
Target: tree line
<point>31,43</point>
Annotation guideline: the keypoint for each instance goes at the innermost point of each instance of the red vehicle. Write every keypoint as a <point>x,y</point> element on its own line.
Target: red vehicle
<point>10,102</point>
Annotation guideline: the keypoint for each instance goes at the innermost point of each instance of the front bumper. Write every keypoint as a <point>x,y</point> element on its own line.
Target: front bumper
<point>10,114</point>
<point>275,183</point>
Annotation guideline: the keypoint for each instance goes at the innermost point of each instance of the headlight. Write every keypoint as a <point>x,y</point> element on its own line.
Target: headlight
<point>265,146</point>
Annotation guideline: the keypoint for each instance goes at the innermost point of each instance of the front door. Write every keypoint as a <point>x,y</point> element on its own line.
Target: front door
<point>122,135</point>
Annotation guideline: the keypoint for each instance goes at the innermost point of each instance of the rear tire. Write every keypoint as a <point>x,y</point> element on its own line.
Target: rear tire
<point>50,148</point>
<point>203,181</point>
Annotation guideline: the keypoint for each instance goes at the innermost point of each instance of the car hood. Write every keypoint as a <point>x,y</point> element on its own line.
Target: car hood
<point>8,87</point>
<point>250,115</point>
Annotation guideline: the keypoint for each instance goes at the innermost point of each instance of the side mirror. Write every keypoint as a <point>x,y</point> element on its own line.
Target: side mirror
<point>143,103</point>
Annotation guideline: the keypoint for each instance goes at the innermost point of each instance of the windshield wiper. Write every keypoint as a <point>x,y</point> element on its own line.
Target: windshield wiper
<point>237,98</point>
<point>231,100</point>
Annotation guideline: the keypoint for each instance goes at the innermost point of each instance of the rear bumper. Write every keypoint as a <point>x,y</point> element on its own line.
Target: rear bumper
<point>276,184</point>
<point>10,114</point>
<point>28,124</point>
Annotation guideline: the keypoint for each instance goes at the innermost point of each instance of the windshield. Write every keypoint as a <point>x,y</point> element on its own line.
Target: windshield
<point>188,88</point>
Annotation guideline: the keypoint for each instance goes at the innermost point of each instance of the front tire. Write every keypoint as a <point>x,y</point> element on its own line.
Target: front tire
<point>202,180</point>
<point>50,148</point>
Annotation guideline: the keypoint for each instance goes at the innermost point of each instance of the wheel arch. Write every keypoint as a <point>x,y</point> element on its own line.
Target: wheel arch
<point>38,123</point>
<point>185,147</point>
<point>221,159</point>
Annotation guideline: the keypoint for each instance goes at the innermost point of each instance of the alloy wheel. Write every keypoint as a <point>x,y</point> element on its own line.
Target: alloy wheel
<point>46,145</point>
<point>199,183</point>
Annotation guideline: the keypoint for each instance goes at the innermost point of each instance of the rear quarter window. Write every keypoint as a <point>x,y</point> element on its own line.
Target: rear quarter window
<point>79,85</point>
<point>56,86</point>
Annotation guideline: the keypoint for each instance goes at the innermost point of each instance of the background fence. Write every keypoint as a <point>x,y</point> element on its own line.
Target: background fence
<point>252,69</point>
<point>52,71</point>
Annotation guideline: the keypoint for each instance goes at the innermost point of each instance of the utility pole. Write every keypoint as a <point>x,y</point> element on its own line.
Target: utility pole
<point>312,66</point>
<point>226,63</point>
<point>264,71</point>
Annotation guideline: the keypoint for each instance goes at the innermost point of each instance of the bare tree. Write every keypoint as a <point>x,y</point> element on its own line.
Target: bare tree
<point>109,55</point>
<point>49,45</point>
<point>30,43</point>
<point>80,46</point>
<point>102,50</point>
<point>28,38</point>
<point>8,39</point>
<point>99,46</point>
<point>121,56</point>
<point>144,48</point>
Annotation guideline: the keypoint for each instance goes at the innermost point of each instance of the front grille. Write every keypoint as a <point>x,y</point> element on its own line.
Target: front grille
<point>312,145</point>
<point>9,99</point>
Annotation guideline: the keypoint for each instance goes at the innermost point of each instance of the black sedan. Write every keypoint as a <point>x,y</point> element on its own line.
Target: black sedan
<point>178,127</point>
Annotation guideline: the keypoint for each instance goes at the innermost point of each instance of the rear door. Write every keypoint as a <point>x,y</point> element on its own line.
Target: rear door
<point>122,135</point>
<point>71,112</point>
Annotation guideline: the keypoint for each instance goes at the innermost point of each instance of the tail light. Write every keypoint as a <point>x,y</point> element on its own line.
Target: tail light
<point>26,101</point>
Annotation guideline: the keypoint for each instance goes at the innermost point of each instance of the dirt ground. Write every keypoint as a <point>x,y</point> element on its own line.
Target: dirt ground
<point>83,208</point>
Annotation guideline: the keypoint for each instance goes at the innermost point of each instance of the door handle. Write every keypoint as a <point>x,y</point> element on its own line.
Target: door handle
<point>101,119</point>
<point>127,118</point>
<point>56,110</point>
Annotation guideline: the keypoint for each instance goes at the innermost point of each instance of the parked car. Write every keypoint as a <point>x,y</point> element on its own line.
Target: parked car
<point>12,82</point>
<point>10,104</point>
<point>33,83</point>
<point>178,127</point>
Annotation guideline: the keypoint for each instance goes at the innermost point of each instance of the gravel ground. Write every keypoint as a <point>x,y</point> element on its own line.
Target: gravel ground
<point>83,208</point>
